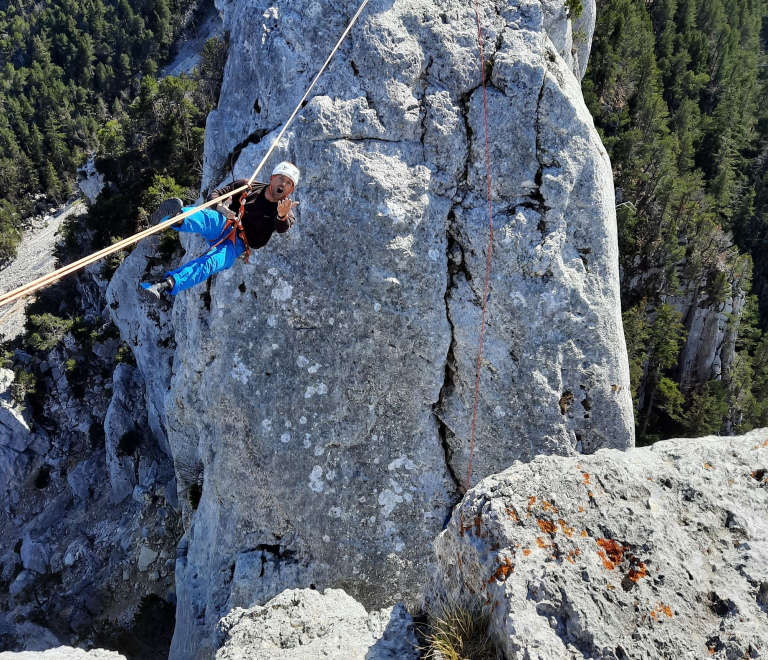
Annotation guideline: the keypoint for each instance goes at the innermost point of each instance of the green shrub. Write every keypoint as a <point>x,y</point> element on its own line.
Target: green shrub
<point>168,244</point>
<point>46,330</point>
<point>24,383</point>
<point>125,355</point>
<point>575,8</point>
<point>111,263</point>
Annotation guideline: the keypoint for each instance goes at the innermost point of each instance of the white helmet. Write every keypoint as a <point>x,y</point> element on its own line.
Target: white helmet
<point>288,169</point>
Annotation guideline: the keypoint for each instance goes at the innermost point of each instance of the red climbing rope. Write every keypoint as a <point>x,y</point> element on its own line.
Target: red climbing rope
<point>490,244</point>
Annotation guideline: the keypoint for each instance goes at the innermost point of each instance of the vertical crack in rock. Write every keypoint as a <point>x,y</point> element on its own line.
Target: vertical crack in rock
<point>455,262</point>
<point>537,196</point>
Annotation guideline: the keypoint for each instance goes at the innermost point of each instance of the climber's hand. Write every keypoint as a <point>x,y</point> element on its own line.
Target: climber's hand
<point>224,209</point>
<point>284,207</point>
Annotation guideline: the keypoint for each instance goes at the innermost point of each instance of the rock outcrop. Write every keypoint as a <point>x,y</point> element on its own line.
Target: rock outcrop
<point>659,552</point>
<point>302,624</point>
<point>321,397</point>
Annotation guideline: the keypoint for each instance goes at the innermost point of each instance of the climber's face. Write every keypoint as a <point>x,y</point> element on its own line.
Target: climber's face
<point>280,186</point>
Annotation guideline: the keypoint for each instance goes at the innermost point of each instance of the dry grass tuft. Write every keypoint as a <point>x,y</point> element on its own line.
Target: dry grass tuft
<point>458,633</point>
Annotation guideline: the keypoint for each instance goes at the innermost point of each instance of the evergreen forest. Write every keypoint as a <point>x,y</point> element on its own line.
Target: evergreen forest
<point>68,67</point>
<point>678,92</point>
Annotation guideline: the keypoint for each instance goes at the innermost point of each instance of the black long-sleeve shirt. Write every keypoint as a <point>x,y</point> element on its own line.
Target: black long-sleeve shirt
<point>260,217</point>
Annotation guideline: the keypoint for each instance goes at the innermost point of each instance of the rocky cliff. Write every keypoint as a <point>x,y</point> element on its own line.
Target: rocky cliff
<point>318,401</point>
<point>649,553</point>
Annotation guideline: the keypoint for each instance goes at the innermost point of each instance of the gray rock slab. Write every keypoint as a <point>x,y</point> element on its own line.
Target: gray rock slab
<point>649,553</point>
<point>146,557</point>
<point>118,421</point>
<point>82,479</point>
<point>302,624</point>
<point>34,556</point>
<point>14,420</point>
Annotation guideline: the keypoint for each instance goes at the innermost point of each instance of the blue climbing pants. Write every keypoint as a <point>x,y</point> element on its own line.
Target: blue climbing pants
<point>210,225</point>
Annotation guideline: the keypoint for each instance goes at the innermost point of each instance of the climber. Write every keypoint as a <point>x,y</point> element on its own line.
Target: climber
<point>267,208</point>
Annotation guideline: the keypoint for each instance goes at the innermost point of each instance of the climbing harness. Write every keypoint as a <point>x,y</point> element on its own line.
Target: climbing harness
<point>490,245</point>
<point>56,275</point>
<point>233,229</point>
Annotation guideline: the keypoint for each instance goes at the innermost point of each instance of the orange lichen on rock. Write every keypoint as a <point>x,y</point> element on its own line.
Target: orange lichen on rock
<point>665,609</point>
<point>586,477</point>
<point>527,552</point>
<point>531,502</point>
<point>707,466</point>
<point>606,562</point>
<point>637,572</point>
<point>540,542</point>
<point>548,507</point>
<point>613,549</point>
<point>511,513</point>
<point>584,533</point>
<point>547,526</point>
<point>503,571</point>
<point>568,531</point>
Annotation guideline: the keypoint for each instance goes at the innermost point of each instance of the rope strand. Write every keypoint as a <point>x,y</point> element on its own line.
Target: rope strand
<point>490,246</point>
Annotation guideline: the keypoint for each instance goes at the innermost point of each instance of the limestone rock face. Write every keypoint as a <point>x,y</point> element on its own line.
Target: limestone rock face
<point>320,402</point>
<point>147,327</point>
<point>649,553</point>
<point>302,624</point>
<point>119,425</point>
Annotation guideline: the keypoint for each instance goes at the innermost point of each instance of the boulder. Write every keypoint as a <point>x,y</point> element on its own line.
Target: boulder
<point>14,419</point>
<point>23,581</point>
<point>34,556</point>
<point>650,553</point>
<point>146,557</point>
<point>302,624</point>
<point>82,478</point>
